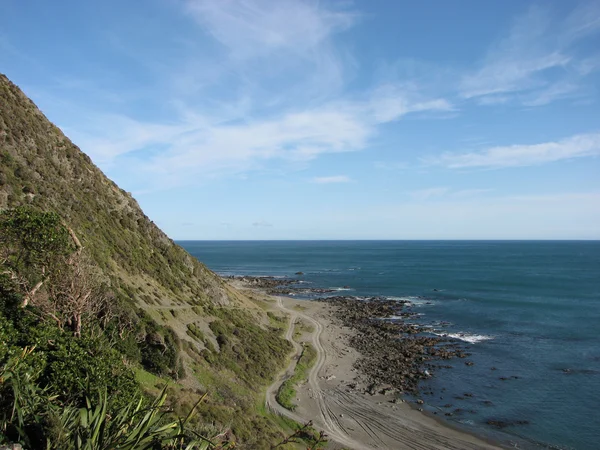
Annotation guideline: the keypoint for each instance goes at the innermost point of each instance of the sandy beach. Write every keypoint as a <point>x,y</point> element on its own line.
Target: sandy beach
<point>335,396</point>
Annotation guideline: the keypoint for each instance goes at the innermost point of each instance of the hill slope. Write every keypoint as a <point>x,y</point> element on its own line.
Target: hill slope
<point>214,338</point>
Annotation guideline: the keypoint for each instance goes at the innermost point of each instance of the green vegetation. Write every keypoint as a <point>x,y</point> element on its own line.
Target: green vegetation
<point>56,351</point>
<point>106,304</point>
<point>301,327</point>
<point>287,391</point>
<point>37,419</point>
<point>39,166</point>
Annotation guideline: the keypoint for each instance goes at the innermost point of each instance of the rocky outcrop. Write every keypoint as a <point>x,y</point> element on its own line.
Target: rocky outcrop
<point>395,352</point>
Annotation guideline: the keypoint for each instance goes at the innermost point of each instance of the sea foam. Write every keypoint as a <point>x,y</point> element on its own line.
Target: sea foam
<point>466,337</point>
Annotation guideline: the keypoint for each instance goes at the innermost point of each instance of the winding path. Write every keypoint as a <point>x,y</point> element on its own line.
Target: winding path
<point>371,427</point>
<point>327,420</point>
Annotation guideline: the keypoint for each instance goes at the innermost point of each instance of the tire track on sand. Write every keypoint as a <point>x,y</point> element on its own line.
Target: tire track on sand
<point>378,428</point>
<point>329,424</point>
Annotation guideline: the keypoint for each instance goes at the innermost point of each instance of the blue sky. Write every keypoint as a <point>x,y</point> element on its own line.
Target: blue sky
<point>254,119</point>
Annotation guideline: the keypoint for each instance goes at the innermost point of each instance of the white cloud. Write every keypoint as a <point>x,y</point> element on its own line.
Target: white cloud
<point>208,144</point>
<point>582,22</point>
<point>554,92</point>
<point>534,63</point>
<point>288,39</point>
<point>262,223</point>
<point>512,64</point>
<point>577,146</point>
<point>273,98</point>
<point>251,28</point>
<point>588,65</point>
<point>389,102</point>
<point>331,179</point>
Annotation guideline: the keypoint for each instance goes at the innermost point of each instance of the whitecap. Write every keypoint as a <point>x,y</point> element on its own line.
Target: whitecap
<point>410,299</point>
<point>466,337</point>
<point>415,301</point>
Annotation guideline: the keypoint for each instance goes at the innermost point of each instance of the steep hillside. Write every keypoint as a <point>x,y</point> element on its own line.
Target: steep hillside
<point>40,166</point>
<point>187,323</point>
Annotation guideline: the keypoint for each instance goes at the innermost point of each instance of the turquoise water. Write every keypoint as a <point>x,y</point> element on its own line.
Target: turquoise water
<point>529,309</point>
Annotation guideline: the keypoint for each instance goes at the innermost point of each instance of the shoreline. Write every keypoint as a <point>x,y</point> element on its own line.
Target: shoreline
<point>339,400</point>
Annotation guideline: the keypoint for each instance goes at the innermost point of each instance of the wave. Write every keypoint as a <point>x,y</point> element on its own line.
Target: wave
<point>403,318</point>
<point>407,298</point>
<point>466,337</point>
<point>411,300</point>
<point>339,289</point>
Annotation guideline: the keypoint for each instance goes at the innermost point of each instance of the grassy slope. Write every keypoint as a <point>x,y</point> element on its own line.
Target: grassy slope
<point>227,346</point>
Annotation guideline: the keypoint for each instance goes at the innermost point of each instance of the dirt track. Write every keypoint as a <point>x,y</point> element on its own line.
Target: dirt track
<point>351,418</point>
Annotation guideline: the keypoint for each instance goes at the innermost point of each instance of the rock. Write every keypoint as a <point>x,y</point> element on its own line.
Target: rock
<point>387,360</point>
<point>501,423</point>
<point>299,273</point>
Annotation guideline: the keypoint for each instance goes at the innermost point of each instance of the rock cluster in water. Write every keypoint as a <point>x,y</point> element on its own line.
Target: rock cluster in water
<point>395,352</point>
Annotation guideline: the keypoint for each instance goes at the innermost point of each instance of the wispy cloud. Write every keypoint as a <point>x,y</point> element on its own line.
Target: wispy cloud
<point>275,97</point>
<point>577,146</point>
<point>262,223</point>
<point>553,92</point>
<point>287,39</point>
<point>535,63</point>
<point>332,179</point>
<point>582,22</point>
<point>512,64</point>
<point>389,102</point>
<point>253,28</point>
<point>181,150</point>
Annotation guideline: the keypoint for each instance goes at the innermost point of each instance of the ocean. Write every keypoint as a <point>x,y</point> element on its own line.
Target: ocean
<point>527,311</point>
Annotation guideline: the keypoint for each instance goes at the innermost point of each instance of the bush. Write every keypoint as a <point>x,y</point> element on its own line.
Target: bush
<point>31,416</point>
<point>68,367</point>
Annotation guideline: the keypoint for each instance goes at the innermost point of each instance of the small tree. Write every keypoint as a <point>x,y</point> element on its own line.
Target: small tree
<point>47,265</point>
<point>74,292</point>
<point>33,246</point>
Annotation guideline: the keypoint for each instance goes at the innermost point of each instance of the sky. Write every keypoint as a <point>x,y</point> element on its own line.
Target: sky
<point>281,119</point>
